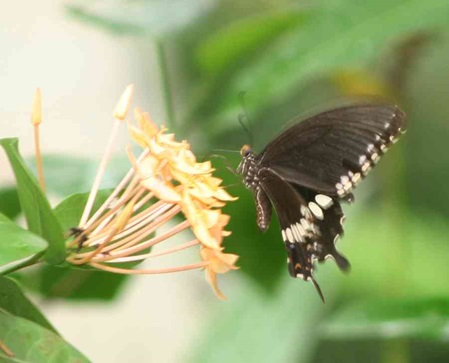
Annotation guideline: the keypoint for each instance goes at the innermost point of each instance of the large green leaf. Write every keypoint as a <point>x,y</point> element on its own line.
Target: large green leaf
<point>9,202</point>
<point>18,247</point>
<point>73,283</point>
<point>32,343</point>
<point>13,301</point>
<point>223,48</point>
<point>252,328</point>
<point>346,34</point>
<point>387,319</point>
<point>262,255</point>
<point>70,210</point>
<point>38,213</point>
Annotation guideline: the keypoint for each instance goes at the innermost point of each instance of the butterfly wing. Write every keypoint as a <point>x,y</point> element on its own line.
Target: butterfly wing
<point>332,151</point>
<point>309,227</point>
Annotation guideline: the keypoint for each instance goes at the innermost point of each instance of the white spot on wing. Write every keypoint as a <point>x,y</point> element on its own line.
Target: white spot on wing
<point>289,235</point>
<point>316,210</point>
<point>324,201</point>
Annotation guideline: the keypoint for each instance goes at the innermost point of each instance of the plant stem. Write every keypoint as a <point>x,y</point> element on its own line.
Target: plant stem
<point>395,351</point>
<point>37,146</point>
<point>165,83</point>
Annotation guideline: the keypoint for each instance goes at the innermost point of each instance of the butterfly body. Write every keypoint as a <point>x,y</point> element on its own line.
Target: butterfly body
<point>309,169</point>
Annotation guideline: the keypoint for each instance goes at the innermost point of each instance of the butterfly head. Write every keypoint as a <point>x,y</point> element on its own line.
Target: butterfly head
<point>246,150</point>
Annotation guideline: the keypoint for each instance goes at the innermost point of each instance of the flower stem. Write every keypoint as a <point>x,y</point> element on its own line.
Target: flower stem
<point>100,173</point>
<point>37,146</point>
<point>125,271</point>
<point>165,81</point>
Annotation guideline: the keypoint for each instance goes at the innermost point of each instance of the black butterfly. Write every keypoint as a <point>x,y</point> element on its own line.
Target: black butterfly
<point>307,170</point>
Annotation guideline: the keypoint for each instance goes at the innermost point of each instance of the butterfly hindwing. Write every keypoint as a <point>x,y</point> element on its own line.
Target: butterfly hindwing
<point>296,229</point>
<point>328,218</point>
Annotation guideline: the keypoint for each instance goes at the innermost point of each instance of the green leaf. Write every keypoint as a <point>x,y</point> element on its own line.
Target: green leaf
<point>13,301</point>
<point>38,213</point>
<point>18,247</point>
<point>31,342</point>
<point>257,329</point>
<point>9,203</point>
<point>262,256</point>
<point>74,283</point>
<point>67,175</point>
<point>347,34</point>
<point>223,48</point>
<point>70,210</point>
<point>388,319</point>
<point>151,17</point>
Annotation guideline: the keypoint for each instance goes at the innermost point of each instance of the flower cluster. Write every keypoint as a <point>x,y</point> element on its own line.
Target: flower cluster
<point>165,181</point>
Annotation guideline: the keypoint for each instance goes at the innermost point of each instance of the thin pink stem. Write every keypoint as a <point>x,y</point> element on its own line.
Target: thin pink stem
<point>192,266</point>
<point>100,173</point>
<point>154,254</point>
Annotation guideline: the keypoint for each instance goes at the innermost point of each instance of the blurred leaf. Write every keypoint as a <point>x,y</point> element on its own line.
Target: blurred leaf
<point>151,17</point>
<point>396,253</point>
<point>347,34</point>
<point>387,319</point>
<point>9,203</point>
<point>228,45</point>
<point>31,342</point>
<point>358,82</point>
<point>262,255</point>
<point>70,210</point>
<point>251,328</point>
<point>38,213</point>
<point>68,175</point>
<point>18,247</point>
<point>76,283</point>
<point>13,301</point>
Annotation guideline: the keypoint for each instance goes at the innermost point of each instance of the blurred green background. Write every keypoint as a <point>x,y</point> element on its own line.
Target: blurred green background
<point>291,57</point>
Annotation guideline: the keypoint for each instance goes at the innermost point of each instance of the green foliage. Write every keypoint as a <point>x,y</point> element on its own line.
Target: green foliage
<point>225,47</point>
<point>14,302</point>
<point>252,328</point>
<point>65,175</point>
<point>37,210</point>
<point>283,56</point>
<point>69,282</point>
<point>9,202</point>
<point>347,34</point>
<point>18,247</point>
<point>387,319</point>
<point>150,17</point>
<point>76,284</point>
<point>70,210</point>
<point>30,342</point>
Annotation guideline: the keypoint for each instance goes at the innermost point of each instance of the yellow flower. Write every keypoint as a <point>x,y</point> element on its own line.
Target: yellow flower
<point>165,181</point>
<point>217,263</point>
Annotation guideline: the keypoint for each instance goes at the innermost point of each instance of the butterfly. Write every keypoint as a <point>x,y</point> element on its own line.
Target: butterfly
<point>309,169</point>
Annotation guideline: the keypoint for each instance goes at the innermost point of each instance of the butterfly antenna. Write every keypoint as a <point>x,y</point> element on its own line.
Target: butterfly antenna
<point>227,151</point>
<point>318,289</point>
<point>244,116</point>
<point>226,161</point>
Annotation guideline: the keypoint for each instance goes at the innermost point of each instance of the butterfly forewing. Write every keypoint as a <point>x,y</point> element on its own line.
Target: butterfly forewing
<point>309,168</point>
<point>333,151</point>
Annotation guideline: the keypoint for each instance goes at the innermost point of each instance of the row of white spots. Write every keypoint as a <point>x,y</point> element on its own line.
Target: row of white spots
<point>298,232</point>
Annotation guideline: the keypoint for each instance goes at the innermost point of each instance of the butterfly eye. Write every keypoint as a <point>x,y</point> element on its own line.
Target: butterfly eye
<point>245,150</point>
